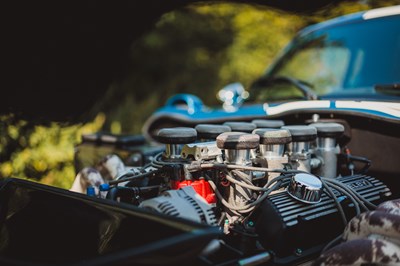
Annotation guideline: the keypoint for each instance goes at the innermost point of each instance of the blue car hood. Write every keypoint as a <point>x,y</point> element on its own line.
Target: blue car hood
<point>195,114</point>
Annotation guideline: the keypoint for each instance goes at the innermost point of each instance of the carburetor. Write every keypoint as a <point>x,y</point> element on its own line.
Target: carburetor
<point>299,149</point>
<point>326,148</point>
<point>272,148</point>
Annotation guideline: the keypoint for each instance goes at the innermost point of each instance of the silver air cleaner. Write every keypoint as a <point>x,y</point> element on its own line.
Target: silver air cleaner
<point>241,126</point>
<point>173,138</point>
<point>264,123</point>
<point>299,148</point>
<point>327,148</point>
<point>306,188</point>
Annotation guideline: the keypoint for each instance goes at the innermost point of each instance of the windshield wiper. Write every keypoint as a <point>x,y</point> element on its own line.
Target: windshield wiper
<point>393,88</point>
<point>303,86</point>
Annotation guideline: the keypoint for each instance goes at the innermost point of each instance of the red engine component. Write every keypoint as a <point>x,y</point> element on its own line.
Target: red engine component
<point>202,187</point>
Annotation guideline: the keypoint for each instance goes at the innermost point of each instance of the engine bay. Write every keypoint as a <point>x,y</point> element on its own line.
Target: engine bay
<point>279,194</point>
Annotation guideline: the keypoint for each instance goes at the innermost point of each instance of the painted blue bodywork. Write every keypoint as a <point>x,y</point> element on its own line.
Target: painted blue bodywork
<point>188,109</point>
<point>203,112</point>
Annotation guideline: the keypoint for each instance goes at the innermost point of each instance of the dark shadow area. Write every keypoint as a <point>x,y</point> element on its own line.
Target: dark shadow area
<point>40,225</point>
<point>60,57</point>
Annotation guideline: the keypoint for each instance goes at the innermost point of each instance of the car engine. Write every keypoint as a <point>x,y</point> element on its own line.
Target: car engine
<point>280,194</point>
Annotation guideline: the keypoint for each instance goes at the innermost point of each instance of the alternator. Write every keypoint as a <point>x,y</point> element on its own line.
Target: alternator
<point>184,203</point>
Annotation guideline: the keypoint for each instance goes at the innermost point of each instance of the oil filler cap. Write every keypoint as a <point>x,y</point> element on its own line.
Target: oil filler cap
<point>306,188</point>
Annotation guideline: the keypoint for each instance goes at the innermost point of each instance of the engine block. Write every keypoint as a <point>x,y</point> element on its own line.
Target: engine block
<point>292,229</point>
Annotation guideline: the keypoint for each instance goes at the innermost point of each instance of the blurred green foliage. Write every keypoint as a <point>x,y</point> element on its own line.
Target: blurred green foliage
<point>197,49</point>
<point>42,153</point>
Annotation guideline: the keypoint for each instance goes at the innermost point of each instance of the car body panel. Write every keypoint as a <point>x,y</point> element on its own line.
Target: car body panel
<point>360,101</point>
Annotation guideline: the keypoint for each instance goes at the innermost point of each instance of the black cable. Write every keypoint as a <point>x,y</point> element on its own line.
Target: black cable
<point>349,196</point>
<point>131,176</point>
<point>360,199</point>
<point>337,203</point>
<point>353,158</point>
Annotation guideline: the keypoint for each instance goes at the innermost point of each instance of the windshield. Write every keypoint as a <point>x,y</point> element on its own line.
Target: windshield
<point>342,61</point>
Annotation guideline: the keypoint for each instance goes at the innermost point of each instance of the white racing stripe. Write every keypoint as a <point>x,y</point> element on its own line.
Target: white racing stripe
<point>389,108</point>
<point>291,106</point>
<point>382,12</point>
